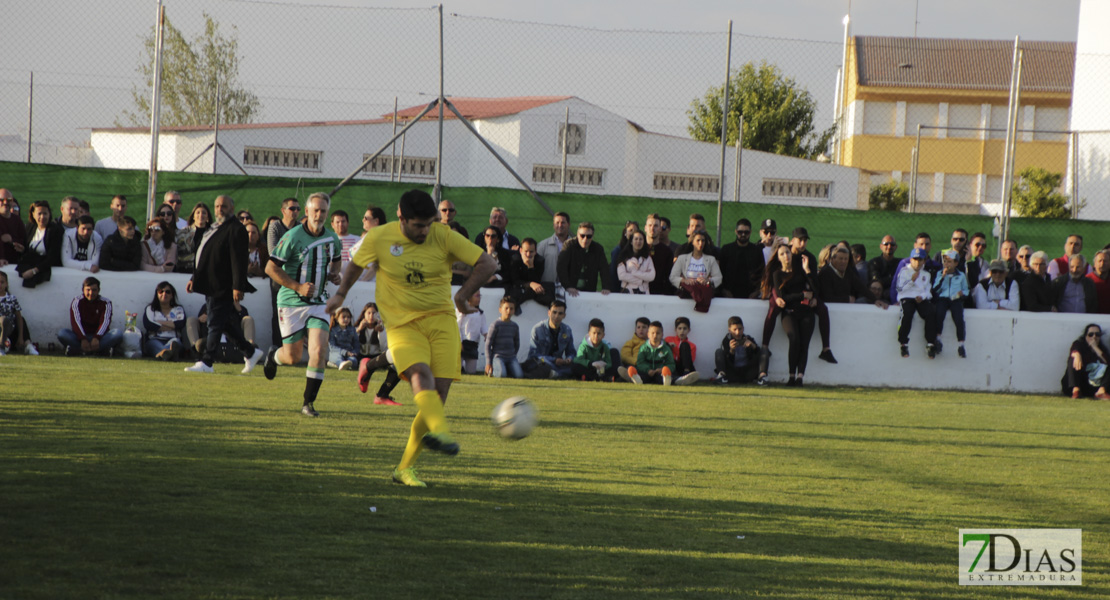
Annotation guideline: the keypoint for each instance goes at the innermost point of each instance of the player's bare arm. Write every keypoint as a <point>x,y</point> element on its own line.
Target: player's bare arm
<point>305,289</point>
<point>483,269</point>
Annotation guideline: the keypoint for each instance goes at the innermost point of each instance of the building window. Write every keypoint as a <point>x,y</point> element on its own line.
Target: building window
<point>576,140</point>
<point>687,183</point>
<point>553,174</point>
<point>793,188</point>
<point>280,158</point>
<point>411,166</point>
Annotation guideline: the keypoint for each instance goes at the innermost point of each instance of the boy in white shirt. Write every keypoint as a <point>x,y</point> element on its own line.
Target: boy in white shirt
<point>914,295</point>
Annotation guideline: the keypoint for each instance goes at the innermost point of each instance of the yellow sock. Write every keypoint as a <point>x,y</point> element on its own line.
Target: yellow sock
<point>415,444</point>
<point>431,407</point>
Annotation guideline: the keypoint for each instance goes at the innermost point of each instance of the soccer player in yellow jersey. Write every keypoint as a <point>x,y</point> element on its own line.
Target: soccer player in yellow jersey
<point>413,294</point>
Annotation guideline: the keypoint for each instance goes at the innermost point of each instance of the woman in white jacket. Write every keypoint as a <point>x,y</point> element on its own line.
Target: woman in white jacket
<point>696,275</point>
<point>635,269</point>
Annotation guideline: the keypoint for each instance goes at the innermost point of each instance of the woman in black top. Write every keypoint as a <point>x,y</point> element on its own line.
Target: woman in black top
<point>1087,366</point>
<point>44,246</point>
<point>503,257</point>
<point>794,295</point>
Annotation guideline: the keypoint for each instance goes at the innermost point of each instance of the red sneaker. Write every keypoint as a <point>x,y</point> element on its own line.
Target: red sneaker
<point>386,401</point>
<point>364,375</point>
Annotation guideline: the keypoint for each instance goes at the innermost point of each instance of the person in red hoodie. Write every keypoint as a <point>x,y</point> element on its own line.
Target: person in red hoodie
<point>685,352</point>
<point>90,319</point>
<point>1100,274</point>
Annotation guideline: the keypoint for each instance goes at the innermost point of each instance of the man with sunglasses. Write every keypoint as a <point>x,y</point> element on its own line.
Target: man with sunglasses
<point>582,263</point>
<point>172,199</point>
<point>447,212</point>
<point>1024,255</point>
<point>290,216</point>
<point>976,265</point>
<point>741,263</point>
<point>883,267</point>
<point>960,245</point>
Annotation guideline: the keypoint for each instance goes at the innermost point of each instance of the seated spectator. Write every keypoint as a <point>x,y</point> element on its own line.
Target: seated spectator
<point>635,269</point>
<point>90,319</point>
<point>44,246</point>
<point>950,290</point>
<point>1074,293</point>
<point>499,219</point>
<point>343,341</point>
<point>12,326</point>
<point>877,291</point>
<point>188,238</point>
<point>914,293</point>
<point>838,283</point>
<point>737,360</point>
<point>1061,266</point>
<point>257,255</point>
<point>685,352</point>
<point>1086,372</point>
<point>859,261</point>
<point>696,275</point>
<point>503,343</point>
<point>882,268</point>
<point>741,264</point>
<point>122,250</point>
<point>594,361</point>
<point>472,331</point>
<point>552,343</point>
<point>654,359</point>
<point>502,256</point>
<point>582,262</point>
<point>164,324</point>
<point>196,329</point>
<point>1100,276</point>
<point>159,252</point>
<point>81,246</point>
<point>631,348</point>
<point>525,277</point>
<point>376,355</point>
<point>630,227</point>
<point>1037,294</point>
<point>999,291</point>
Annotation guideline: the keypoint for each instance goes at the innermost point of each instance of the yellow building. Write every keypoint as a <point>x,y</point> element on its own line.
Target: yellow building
<point>958,91</point>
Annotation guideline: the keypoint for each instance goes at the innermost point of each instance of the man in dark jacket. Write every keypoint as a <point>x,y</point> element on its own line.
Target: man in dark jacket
<point>1074,293</point>
<point>582,261</point>
<point>221,275</point>
<point>122,250</point>
<point>1036,290</point>
<point>741,263</point>
<point>738,358</point>
<point>525,277</point>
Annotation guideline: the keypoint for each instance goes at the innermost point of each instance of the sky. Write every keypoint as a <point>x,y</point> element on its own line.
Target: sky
<point>644,60</point>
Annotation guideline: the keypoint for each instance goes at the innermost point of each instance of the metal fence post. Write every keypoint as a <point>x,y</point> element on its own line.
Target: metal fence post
<point>155,112</point>
<point>724,131</point>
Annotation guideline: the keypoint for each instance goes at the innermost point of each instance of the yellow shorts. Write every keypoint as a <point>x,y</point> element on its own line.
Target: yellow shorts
<point>432,340</point>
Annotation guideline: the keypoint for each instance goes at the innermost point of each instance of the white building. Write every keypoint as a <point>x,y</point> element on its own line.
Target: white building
<point>1089,115</point>
<point>607,154</point>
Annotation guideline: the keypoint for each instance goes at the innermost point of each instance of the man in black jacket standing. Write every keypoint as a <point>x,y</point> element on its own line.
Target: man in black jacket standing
<point>221,275</point>
<point>582,262</point>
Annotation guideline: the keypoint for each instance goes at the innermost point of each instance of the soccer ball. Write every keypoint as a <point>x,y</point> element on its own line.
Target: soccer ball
<point>514,418</point>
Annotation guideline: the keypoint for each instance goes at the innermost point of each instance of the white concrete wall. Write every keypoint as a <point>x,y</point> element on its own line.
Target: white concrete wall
<point>1007,352</point>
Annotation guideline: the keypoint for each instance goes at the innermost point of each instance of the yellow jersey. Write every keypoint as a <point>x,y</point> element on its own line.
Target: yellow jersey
<point>414,280</point>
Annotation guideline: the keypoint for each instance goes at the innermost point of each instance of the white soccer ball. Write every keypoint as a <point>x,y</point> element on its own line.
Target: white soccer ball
<point>515,418</point>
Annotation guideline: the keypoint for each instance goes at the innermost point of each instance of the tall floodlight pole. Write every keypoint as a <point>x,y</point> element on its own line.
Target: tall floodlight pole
<point>739,155</point>
<point>155,111</point>
<point>842,103</point>
<point>30,113</point>
<point>724,132</point>
<point>393,147</point>
<point>1011,139</point>
<point>216,128</point>
<point>439,148</point>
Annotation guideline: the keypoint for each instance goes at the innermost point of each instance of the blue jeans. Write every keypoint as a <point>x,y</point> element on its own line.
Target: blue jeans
<point>507,366</point>
<point>152,346</point>
<point>339,355</point>
<point>110,340</point>
<point>944,305</point>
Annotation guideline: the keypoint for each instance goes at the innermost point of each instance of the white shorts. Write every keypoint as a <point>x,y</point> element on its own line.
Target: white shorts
<point>293,320</point>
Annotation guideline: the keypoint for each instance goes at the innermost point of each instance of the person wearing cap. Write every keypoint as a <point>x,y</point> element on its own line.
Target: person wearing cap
<point>950,289</point>
<point>883,267</point>
<point>925,242</point>
<point>1074,293</point>
<point>768,231</point>
<point>914,293</point>
<point>798,241</point>
<point>999,291</point>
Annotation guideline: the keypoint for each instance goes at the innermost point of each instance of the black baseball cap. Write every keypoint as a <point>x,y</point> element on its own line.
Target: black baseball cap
<point>769,225</point>
<point>801,233</point>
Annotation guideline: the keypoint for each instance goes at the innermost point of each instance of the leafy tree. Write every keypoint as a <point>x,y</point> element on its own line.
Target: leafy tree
<point>190,70</point>
<point>778,115</point>
<point>1035,195</point>
<point>892,195</point>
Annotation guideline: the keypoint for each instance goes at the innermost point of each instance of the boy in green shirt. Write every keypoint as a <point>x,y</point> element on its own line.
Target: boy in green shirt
<point>655,362</point>
<point>594,361</point>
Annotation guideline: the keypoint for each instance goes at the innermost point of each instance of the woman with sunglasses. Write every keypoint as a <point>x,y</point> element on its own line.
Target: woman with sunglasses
<point>504,258</point>
<point>189,238</point>
<point>159,249</point>
<point>1086,371</point>
<point>164,324</point>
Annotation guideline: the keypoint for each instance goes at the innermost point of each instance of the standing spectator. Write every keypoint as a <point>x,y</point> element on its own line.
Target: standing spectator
<point>552,343</point>
<point>375,216</point>
<point>1059,266</point>
<point>859,261</point>
<point>13,234</point>
<point>503,258</point>
<point>257,255</point>
<point>1037,294</point>
<point>164,324</point>
<point>960,245</point>
<point>883,267</point>
<point>737,360</point>
<point>472,332</point>
<point>1008,252</point>
<point>1100,276</point>
<point>526,277</point>
<point>582,262</point>
<point>798,241</point>
<point>999,291</point>
<point>950,289</point>
<point>71,209</point>
<point>340,224</point>
<point>662,257</point>
<point>685,352</point>
<point>696,224</point>
<point>794,286</point>
<point>630,227</point>
<point>976,266</point>
<point>159,253</point>
<point>343,341</point>
<point>768,233</point>
<point>108,225</point>
<point>1023,255</point>
<point>500,219</point>
<point>1075,293</point>
<point>244,216</point>
<point>122,250</point>
<point>549,248</point>
<point>169,222</point>
<point>173,199</point>
<point>914,293</point>
<point>665,236</point>
<point>12,325</point>
<point>837,283</point>
<point>1086,371</point>
<point>44,246</point>
<point>90,317</point>
<point>654,359</point>
<point>635,269</point>
<point>290,214</point>
<point>81,246</point>
<point>503,343</point>
<point>188,238</point>
<point>221,275</point>
<point>447,212</point>
<point>696,274</point>
<point>741,264</point>
<point>594,361</point>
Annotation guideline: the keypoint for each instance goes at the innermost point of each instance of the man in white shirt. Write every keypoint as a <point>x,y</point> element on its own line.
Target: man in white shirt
<point>998,292</point>
<point>81,246</point>
<point>340,224</point>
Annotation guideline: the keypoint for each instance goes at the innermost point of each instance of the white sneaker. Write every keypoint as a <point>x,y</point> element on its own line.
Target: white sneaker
<point>623,372</point>
<point>688,378</point>
<point>200,367</point>
<point>347,365</point>
<point>666,380</point>
<point>251,361</point>
<point>30,350</point>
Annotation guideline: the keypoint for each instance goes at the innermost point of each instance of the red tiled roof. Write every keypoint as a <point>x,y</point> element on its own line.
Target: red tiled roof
<point>963,64</point>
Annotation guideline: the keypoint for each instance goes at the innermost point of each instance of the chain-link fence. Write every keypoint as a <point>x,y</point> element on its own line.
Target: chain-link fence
<point>593,111</point>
